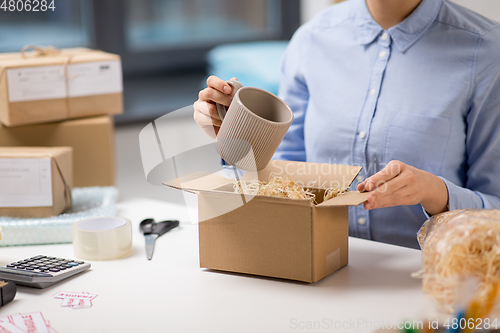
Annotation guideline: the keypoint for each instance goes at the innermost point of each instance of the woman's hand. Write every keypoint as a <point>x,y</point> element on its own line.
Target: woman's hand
<point>205,111</point>
<point>401,184</point>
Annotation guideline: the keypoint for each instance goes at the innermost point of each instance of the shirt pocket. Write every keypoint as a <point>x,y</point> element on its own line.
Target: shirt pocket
<point>417,140</point>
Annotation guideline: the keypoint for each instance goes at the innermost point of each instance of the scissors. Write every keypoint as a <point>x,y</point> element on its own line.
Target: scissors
<point>152,230</point>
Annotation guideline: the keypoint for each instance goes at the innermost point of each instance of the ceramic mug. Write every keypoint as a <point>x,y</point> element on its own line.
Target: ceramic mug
<point>252,128</point>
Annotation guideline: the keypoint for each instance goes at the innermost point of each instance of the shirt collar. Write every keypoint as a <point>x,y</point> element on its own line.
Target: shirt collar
<point>406,33</point>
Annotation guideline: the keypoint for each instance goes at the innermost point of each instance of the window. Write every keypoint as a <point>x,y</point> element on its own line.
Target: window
<point>163,43</point>
<point>67,26</point>
<point>154,24</point>
<point>167,35</point>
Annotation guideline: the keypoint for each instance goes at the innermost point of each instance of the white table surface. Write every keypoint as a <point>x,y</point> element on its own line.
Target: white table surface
<point>172,294</point>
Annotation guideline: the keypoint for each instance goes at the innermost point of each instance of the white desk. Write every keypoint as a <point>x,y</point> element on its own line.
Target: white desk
<point>172,294</point>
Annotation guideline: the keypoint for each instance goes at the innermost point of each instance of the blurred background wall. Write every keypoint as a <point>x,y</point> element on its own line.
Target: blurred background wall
<point>164,43</point>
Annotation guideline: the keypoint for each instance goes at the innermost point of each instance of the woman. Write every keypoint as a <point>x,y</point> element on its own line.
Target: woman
<point>410,90</point>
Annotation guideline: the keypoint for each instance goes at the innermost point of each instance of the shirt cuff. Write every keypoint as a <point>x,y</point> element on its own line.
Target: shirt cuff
<point>462,198</point>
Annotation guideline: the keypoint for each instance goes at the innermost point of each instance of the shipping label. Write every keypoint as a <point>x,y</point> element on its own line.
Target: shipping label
<point>25,182</point>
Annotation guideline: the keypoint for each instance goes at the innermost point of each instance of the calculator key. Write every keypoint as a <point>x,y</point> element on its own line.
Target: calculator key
<point>11,266</point>
<point>35,266</point>
<point>53,269</point>
<point>37,257</point>
<point>43,268</point>
<point>80,262</point>
<point>30,269</point>
<point>50,266</point>
<point>51,257</point>
<point>61,267</point>
<point>73,263</point>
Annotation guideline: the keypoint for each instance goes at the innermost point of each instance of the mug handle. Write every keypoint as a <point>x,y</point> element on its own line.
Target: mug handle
<point>221,109</point>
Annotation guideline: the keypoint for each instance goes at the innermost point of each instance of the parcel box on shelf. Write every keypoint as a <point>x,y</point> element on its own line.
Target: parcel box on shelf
<point>35,181</point>
<point>91,138</point>
<point>285,238</point>
<point>65,84</point>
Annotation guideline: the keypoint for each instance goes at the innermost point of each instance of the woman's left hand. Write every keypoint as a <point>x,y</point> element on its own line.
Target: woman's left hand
<point>401,184</point>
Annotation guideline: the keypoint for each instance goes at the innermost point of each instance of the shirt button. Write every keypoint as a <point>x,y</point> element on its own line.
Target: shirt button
<point>382,54</point>
<point>384,36</point>
<point>362,135</point>
<point>372,92</point>
<point>361,221</point>
<point>360,179</point>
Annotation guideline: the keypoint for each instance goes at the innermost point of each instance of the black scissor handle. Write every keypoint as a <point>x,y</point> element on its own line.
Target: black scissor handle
<point>149,226</point>
<point>146,226</point>
<point>162,227</point>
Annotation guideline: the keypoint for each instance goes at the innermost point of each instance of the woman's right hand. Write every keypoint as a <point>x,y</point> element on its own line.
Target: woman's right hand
<point>205,110</point>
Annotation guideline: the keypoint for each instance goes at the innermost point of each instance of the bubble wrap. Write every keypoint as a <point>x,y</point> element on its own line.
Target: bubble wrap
<point>88,202</point>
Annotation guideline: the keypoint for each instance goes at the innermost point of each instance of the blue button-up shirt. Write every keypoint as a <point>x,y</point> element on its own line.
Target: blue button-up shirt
<point>425,92</point>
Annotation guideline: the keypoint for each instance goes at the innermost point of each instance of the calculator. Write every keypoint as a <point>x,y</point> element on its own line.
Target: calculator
<point>41,271</point>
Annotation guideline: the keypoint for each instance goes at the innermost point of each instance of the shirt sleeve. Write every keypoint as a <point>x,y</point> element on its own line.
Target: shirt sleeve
<point>482,187</point>
<point>293,90</point>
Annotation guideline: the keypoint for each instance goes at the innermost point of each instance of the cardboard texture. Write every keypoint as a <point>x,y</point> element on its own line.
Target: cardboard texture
<point>275,237</point>
<point>62,179</point>
<point>46,109</point>
<point>92,141</point>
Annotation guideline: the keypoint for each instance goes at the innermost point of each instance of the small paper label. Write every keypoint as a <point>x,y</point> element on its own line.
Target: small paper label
<point>36,83</point>
<point>25,322</point>
<point>49,82</point>
<point>25,182</point>
<point>95,78</point>
<point>75,301</point>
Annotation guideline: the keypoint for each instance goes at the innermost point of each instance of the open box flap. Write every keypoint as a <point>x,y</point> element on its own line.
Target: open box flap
<point>198,181</point>
<point>353,198</point>
<point>312,175</point>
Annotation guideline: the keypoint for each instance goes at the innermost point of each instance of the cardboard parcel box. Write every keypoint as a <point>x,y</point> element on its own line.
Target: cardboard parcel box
<point>92,140</point>
<point>35,182</point>
<point>58,85</point>
<point>276,237</point>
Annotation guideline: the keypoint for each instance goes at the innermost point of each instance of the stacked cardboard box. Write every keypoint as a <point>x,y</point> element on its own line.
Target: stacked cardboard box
<point>61,98</point>
<point>67,84</point>
<point>91,139</point>
<point>36,182</point>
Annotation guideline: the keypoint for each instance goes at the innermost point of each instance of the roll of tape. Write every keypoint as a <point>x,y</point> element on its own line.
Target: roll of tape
<point>102,238</point>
